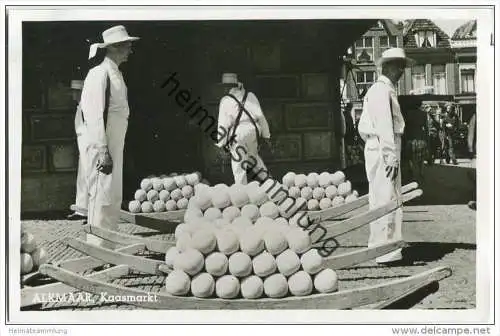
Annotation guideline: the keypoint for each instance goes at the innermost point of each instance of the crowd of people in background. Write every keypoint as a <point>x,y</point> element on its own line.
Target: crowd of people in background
<point>434,134</point>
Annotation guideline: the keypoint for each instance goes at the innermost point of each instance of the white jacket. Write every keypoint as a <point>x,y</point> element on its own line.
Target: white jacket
<point>378,120</point>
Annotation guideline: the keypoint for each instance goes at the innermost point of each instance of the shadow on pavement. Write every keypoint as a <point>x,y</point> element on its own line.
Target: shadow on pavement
<point>432,251</point>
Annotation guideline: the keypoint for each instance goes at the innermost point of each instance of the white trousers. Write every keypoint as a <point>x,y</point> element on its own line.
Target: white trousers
<point>381,191</point>
<point>82,190</point>
<point>246,148</point>
<point>105,191</point>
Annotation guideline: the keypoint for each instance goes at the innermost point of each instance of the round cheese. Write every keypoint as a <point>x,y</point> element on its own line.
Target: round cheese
<point>300,284</point>
<point>176,194</point>
<point>134,206</point>
<point>269,209</point>
<point>294,192</point>
<point>275,242</point>
<point>153,195</point>
<point>331,191</point>
<point>300,180</point>
<point>39,256</point>
<point>288,262</point>
<point>227,241</point>
<point>177,283</point>
<point>252,287</point>
<point>250,211</point>
<point>157,184</point>
<point>276,286</point>
<point>203,285</point>
<point>212,214</point>
<point>318,193</point>
<point>325,203</point>
<point>326,281</point>
<point>190,261</point>
<point>337,178</point>
<point>169,184</point>
<point>26,263</point>
<point>227,287</point>
<point>312,262</point>
<point>159,206</point>
<point>217,264</point>
<point>203,241</point>
<point>264,264</point>
<point>171,255</point>
<point>146,184</point>
<point>251,242</point>
<point>147,207</point>
<point>187,191</point>
<point>164,195</point>
<point>140,195</point>
<point>337,200</point>
<point>170,205</point>
<point>180,181</point>
<point>299,240</point>
<point>230,213</point>
<point>306,193</point>
<point>313,204</point>
<point>240,264</point>
<point>220,198</point>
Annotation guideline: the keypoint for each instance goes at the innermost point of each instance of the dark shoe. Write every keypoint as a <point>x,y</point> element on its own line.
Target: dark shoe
<point>455,162</point>
<point>75,216</point>
<point>472,205</point>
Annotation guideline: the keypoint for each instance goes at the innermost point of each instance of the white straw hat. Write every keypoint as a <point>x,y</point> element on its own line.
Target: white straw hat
<point>393,54</point>
<point>229,78</point>
<point>113,35</point>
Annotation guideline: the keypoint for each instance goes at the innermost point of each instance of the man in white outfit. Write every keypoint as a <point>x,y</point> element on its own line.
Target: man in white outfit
<point>82,192</point>
<point>105,108</point>
<point>240,115</point>
<point>381,126</point>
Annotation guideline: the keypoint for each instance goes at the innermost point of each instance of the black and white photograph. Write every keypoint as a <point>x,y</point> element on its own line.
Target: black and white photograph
<point>224,159</point>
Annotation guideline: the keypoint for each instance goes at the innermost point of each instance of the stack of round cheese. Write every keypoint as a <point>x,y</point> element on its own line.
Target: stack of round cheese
<point>320,191</point>
<point>230,247</point>
<point>165,193</point>
<point>32,255</point>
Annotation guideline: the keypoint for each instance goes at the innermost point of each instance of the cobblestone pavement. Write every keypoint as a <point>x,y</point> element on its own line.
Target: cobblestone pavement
<point>437,236</point>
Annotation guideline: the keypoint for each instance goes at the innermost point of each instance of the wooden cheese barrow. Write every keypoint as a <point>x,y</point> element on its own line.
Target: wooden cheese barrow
<point>382,294</point>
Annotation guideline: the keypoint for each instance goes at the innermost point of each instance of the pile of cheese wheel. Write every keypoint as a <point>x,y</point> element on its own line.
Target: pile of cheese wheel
<point>320,191</point>
<point>165,193</point>
<point>32,256</point>
<point>236,242</point>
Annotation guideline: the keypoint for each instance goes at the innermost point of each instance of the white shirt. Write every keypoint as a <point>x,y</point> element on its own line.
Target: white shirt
<point>377,119</point>
<point>93,100</point>
<point>228,112</point>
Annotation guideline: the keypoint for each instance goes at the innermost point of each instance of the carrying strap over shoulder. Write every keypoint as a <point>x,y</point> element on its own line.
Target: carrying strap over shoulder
<point>240,112</point>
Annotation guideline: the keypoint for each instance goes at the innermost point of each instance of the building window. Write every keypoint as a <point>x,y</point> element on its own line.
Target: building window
<point>364,50</point>
<point>387,42</point>
<point>468,80</point>
<point>418,77</point>
<point>364,79</point>
<point>439,79</point>
<point>425,39</point>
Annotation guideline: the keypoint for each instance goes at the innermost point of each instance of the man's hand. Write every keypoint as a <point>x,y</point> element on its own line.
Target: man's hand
<point>391,172</point>
<point>104,162</point>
